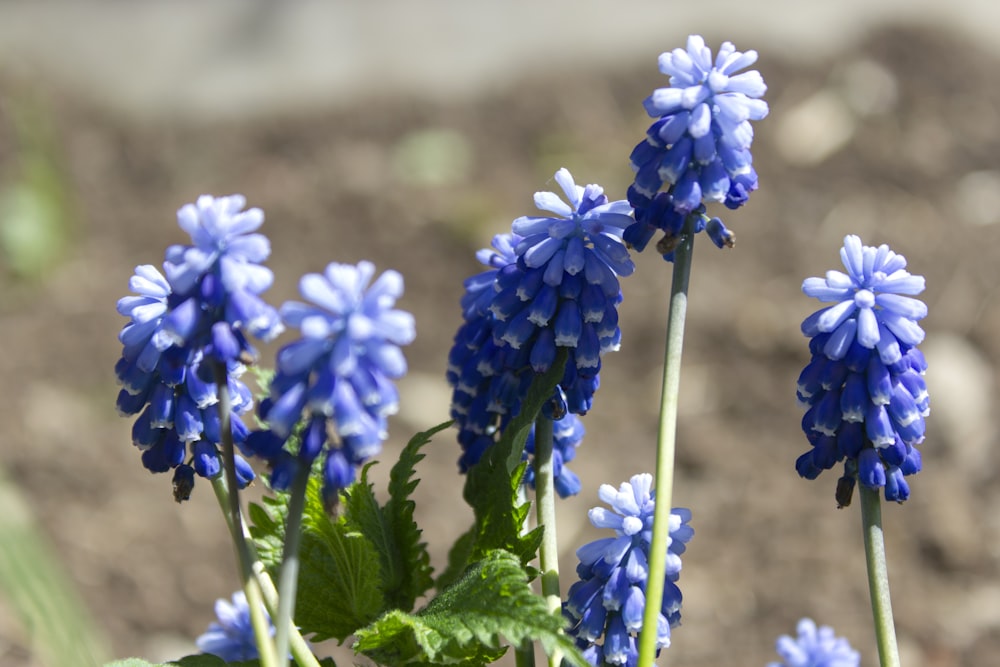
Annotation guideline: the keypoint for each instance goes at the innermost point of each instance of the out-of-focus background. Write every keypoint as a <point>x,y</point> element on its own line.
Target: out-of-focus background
<point>409,134</point>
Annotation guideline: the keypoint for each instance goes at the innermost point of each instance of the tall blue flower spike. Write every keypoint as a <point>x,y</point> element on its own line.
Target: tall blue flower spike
<point>563,291</point>
<point>231,636</point>
<point>338,376</point>
<point>698,148</point>
<point>180,325</point>
<point>609,600</point>
<point>552,283</point>
<point>815,647</point>
<point>864,390</point>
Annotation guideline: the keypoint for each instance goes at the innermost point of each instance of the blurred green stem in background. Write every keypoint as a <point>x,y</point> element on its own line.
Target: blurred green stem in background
<point>35,207</point>
<point>38,589</point>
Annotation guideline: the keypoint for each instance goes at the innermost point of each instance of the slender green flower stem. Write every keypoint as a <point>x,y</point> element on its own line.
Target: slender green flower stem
<point>288,580</point>
<point>878,577</point>
<point>524,656</point>
<point>251,586</point>
<point>666,441</point>
<point>545,508</point>
<point>299,647</point>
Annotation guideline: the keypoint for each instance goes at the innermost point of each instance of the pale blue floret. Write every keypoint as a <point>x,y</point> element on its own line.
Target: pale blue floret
<point>231,637</point>
<point>873,303</point>
<point>340,372</point>
<point>815,647</point>
<point>863,390</point>
<point>609,599</point>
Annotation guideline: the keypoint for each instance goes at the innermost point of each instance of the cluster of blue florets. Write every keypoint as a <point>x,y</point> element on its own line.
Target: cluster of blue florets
<point>338,376</point>
<point>606,605</point>
<point>863,390</point>
<point>188,330</point>
<point>552,284</point>
<point>698,148</point>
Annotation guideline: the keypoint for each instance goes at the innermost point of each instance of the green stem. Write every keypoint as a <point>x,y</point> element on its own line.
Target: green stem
<point>261,628</point>
<point>288,581</point>
<point>545,508</point>
<point>299,647</point>
<point>665,446</point>
<point>878,577</point>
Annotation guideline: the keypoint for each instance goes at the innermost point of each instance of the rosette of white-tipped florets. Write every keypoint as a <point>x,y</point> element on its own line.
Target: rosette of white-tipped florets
<point>863,390</point>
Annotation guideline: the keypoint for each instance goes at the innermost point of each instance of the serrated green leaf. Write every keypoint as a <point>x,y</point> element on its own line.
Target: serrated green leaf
<point>340,575</point>
<point>459,557</point>
<point>413,560</point>
<point>467,622</point>
<point>491,486</point>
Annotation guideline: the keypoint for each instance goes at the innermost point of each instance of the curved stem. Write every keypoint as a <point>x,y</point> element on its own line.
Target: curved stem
<point>545,508</point>
<point>288,581</point>
<point>251,586</point>
<point>665,446</point>
<point>878,577</point>
<point>299,647</point>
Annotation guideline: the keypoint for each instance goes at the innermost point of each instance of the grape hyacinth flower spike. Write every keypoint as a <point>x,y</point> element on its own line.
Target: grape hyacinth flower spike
<point>338,375</point>
<point>698,148</point>
<point>609,600</point>
<point>552,283</point>
<point>563,291</point>
<point>815,647</point>
<point>182,324</point>
<point>863,390</point>
<point>231,637</point>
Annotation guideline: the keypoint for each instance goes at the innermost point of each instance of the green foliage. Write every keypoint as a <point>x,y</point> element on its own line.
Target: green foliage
<point>459,556</point>
<point>353,568</point>
<point>412,561</point>
<point>340,576</point>
<point>35,207</point>
<point>36,587</point>
<point>466,623</point>
<point>491,487</point>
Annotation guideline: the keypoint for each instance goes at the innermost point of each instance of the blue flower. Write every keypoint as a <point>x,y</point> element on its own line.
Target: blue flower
<point>556,286</point>
<point>863,390</point>
<point>609,600</point>
<point>178,425</point>
<point>563,291</point>
<point>231,637</point>
<point>698,148</point>
<point>218,280</point>
<point>338,374</point>
<point>700,142</point>
<point>815,647</point>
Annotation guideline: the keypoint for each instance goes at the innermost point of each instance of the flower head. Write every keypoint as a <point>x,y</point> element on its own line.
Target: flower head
<point>551,284</point>
<point>178,425</point>
<point>609,600</point>
<point>217,280</point>
<point>815,647</point>
<point>698,148</point>
<point>863,390</point>
<point>231,636</point>
<point>872,303</point>
<point>339,373</point>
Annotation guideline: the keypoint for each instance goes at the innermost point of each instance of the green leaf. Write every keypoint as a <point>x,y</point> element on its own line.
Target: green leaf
<point>459,557</point>
<point>35,586</point>
<point>467,622</point>
<point>340,573</point>
<point>491,486</point>
<point>413,561</point>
